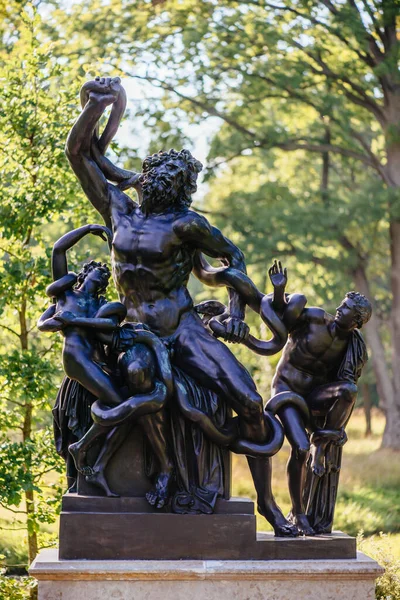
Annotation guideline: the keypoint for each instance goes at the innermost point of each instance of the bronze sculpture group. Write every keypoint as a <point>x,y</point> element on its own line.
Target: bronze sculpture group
<point>155,360</point>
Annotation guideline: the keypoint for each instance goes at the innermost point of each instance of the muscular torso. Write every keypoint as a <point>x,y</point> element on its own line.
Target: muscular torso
<point>311,357</point>
<point>151,268</point>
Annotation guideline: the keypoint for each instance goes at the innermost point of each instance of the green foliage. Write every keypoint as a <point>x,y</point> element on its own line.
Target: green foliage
<point>387,586</point>
<point>38,200</point>
<point>17,588</point>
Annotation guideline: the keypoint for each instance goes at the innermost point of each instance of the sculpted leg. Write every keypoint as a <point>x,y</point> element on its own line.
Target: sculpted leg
<point>261,471</point>
<point>335,401</point>
<point>139,368</point>
<point>114,440</point>
<point>296,468</point>
<point>157,432</point>
<point>212,364</point>
<point>79,449</point>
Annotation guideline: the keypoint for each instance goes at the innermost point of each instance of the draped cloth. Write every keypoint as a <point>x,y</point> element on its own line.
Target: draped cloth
<point>71,414</point>
<point>199,463</point>
<point>320,493</point>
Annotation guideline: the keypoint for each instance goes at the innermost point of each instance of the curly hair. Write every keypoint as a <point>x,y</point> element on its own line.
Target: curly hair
<point>88,267</point>
<point>362,307</point>
<point>193,168</point>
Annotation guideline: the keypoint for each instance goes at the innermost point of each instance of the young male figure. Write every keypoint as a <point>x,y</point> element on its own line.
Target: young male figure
<point>153,249</point>
<point>320,365</point>
<point>321,362</point>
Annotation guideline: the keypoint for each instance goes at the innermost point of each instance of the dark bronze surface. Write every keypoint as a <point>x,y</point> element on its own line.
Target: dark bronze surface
<point>145,409</point>
<point>112,532</point>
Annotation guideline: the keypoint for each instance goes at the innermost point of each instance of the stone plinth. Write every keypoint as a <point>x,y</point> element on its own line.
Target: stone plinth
<point>94,528</point>
<point>353,579</point>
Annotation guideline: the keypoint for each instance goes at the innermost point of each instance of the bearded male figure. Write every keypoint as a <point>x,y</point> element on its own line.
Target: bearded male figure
<point>153,249</point>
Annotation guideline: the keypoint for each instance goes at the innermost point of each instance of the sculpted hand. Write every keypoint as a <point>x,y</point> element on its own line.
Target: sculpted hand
<point>278,275</point>
<point>101,231</point>
<point>236,330</point>
<point>66,317</point>
<point>102,89</point>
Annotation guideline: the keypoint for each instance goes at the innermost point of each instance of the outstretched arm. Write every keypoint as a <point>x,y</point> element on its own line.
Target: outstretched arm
<point>59,263</point>
<point>68,318</point>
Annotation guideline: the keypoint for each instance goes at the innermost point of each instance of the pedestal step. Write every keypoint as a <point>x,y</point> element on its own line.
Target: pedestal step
<point>94,528</point>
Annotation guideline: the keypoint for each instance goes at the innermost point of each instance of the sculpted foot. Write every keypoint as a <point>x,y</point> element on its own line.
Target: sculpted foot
<point>302,524</point>
<point>342,439</point>
<point>159,496</point>
<point>282,527</point>
<point>318,460</point>
<point>97,478</point>
<point>79,457</point>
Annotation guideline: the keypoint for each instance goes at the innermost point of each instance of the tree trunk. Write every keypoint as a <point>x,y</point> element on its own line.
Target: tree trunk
<point>30,518</point>
<point>367,408</point>
<point>26,435</point>
<point>383,378</point>
<point>391,435</point>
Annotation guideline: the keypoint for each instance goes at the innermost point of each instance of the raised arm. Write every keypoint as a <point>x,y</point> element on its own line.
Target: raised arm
<point>194,230</point>
<point>99,93</point>
<point>59,263</point>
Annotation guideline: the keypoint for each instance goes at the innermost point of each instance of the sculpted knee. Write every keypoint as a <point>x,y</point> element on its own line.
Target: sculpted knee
<point>253,408</point>
<point>349,391</point>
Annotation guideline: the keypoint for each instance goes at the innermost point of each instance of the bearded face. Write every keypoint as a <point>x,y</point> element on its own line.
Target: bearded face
<point>162,186</point>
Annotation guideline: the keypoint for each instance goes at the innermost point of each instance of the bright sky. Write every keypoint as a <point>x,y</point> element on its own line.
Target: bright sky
<point>200,135</point>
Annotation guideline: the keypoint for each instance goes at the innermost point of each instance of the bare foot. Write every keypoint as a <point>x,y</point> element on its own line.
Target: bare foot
<point>302,524</point>
<point>79,457</point>
<point>160,494</point>
<point>97,478</point>
<point>318,459</point>
<point>282,527</point>
<point>342,439</point>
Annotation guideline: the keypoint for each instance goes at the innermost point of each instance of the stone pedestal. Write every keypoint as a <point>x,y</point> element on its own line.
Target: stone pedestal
<point>94,528</point>
<point>352,579</point>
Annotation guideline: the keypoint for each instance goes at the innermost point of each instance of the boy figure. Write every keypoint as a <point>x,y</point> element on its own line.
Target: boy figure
<point>319,368</point>
<point>321,362</point>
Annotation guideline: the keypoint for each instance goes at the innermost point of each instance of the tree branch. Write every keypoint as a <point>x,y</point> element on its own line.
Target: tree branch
<point>363,99</point>
<point>10,330</point>
<point>17,512</point>
<point>289,145</point>
<point>332,30</point>
<point>379,56</point>
<point>313,147</point>
<point>209,108</point>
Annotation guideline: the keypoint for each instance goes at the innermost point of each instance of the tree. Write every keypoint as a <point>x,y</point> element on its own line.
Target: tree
<point>38,192</point>
<point>318,79</point>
